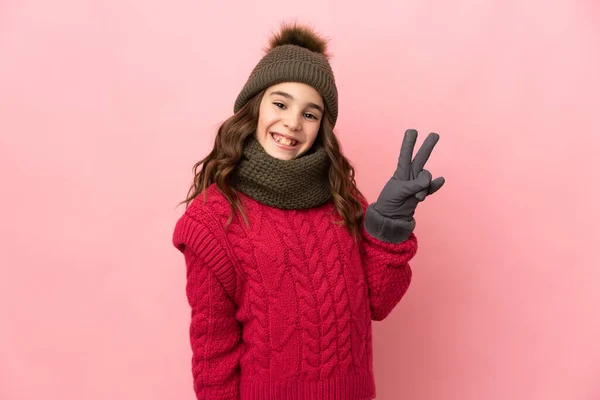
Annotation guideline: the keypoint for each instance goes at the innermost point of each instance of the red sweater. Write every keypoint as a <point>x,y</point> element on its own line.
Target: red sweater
<point>282,308</point>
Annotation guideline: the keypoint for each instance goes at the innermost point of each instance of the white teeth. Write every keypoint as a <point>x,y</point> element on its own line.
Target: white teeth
<point>284,140</point>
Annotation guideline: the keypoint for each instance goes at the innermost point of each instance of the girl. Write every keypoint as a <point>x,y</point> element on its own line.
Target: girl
<point>287,263</point>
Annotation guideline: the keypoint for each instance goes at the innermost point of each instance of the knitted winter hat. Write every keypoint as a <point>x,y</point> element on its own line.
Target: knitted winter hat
<point>296,54</point>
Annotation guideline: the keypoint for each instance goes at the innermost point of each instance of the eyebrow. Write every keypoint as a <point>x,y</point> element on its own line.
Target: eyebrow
<point>289,96</point>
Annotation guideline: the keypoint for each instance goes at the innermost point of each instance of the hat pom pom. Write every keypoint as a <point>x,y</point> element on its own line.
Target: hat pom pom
<point>299,35</point>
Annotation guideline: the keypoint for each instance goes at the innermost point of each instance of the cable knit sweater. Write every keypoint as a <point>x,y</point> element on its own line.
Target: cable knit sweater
<point>282,308</point>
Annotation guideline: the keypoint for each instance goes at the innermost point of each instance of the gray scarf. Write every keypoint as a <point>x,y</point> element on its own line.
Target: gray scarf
<point>288,184</point>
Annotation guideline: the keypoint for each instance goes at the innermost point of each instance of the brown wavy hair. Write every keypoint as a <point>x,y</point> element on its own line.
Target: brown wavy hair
<point>222,161</point>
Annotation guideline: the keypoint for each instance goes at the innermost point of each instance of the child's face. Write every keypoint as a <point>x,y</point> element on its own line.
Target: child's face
<point>289,119</point>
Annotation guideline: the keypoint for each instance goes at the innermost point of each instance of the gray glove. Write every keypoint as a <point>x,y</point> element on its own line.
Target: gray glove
<point>390,219</point>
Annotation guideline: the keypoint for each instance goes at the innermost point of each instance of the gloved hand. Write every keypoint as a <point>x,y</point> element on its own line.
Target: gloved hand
<point>390,219</point>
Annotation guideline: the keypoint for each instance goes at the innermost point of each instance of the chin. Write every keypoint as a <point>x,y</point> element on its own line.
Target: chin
<point>282,155</point>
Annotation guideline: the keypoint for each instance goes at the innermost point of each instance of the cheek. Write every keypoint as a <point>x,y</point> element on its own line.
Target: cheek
<point>265,119</point>
<point>314,132</point>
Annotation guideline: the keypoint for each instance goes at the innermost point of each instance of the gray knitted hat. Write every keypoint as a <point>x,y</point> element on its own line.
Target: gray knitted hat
<point>295,54</point>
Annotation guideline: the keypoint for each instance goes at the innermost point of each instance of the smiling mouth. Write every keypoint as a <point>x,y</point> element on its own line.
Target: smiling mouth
<point>283,140</point>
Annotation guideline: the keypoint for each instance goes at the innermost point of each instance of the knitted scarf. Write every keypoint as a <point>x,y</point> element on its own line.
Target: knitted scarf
<point>288,184</point>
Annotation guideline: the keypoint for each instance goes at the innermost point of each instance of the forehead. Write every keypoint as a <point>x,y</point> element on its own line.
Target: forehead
<point>299,91</point>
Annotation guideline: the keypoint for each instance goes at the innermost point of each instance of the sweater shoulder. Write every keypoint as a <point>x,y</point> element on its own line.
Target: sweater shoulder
<point>205,213</point>
<point>200,230</point>
<point>210,203</point>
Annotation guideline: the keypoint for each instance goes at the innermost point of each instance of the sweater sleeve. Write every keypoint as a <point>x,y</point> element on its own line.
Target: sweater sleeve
<point>387,270</point>
<point>215,334</point>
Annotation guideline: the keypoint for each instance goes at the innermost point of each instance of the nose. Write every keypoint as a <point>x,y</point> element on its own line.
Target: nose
<point>292,122</point>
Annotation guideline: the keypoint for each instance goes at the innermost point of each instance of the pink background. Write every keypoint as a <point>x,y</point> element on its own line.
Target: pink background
<point>105,106</point>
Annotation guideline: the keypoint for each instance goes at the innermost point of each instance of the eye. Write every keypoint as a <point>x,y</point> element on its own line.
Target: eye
<point>279,105</point>
<point>311,116</point>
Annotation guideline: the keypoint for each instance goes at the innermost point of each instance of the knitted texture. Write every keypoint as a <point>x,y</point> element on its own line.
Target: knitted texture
<point>291,63</point>
<point>289,184</point>
<point>282,308</point>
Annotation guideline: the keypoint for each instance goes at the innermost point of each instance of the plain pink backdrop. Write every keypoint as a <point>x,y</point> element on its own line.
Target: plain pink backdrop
<point>105,106</point>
